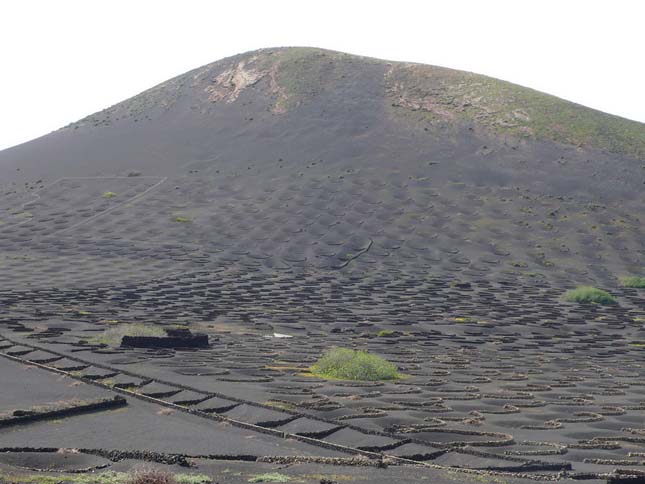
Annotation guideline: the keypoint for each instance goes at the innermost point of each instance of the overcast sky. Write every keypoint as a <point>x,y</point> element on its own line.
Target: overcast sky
<point>64,59</point>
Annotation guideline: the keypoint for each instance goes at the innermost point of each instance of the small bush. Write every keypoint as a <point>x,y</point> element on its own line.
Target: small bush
<point>384,333</point>
<point>271,477</point>
<point>193,479</point>
<point>114,335</point>
<point>588,294</point>
<point>346,364</point>
<point>636,282</point>
<point>151,476</point>
<point>182,219</point>
<point>109,195</point>
<point>463,319</point>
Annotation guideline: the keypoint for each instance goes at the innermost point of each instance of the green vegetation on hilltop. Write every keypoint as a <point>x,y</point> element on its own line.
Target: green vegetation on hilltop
<point>447,95</point>
<point>299,74</point>
<point>454,96</point>
<point>588,294</point>
<point>346,364</point>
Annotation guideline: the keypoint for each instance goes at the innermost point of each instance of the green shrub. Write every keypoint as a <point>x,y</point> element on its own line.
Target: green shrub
<point>346,364</point>
<point>463,319</point>
<point>150,476</point>
<point>114,335</point>
<point>385,333</point>
<point>109,195</point>
<point>637,282</point>
<point>588,294</point>
<point>271,477</point>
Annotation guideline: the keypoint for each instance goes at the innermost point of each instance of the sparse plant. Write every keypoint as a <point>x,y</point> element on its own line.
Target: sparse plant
<point>147,475</point>
<point>384,333</point>
<point>182,219</point>
<point>192,479</point>
<point>346,364</point>
<point>463,319</point>
<point>109,194</point>
<point>280,405</point>
<point>270,477</point>
<point>633,281</point>
<point>588,294</point>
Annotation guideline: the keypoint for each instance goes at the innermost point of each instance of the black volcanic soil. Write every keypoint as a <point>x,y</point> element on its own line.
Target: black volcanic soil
<point>328,197</point>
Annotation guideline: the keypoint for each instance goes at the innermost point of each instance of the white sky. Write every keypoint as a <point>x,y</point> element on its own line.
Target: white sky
<point>61,60</point>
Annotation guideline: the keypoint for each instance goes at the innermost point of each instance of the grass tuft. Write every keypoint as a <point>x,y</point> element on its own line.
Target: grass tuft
<point>151,476</point>
<point>635,282</point>
<point>346,364</point>
<point>384,333</point>
<point>109,195</point>
<point>270,477</point>
<point>463,319</point>
<point>588,294</point>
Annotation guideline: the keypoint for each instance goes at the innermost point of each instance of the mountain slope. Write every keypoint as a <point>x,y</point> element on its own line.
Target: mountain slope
<point>301,159</point>
<point>291,77</point>
<point>305,98</point>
